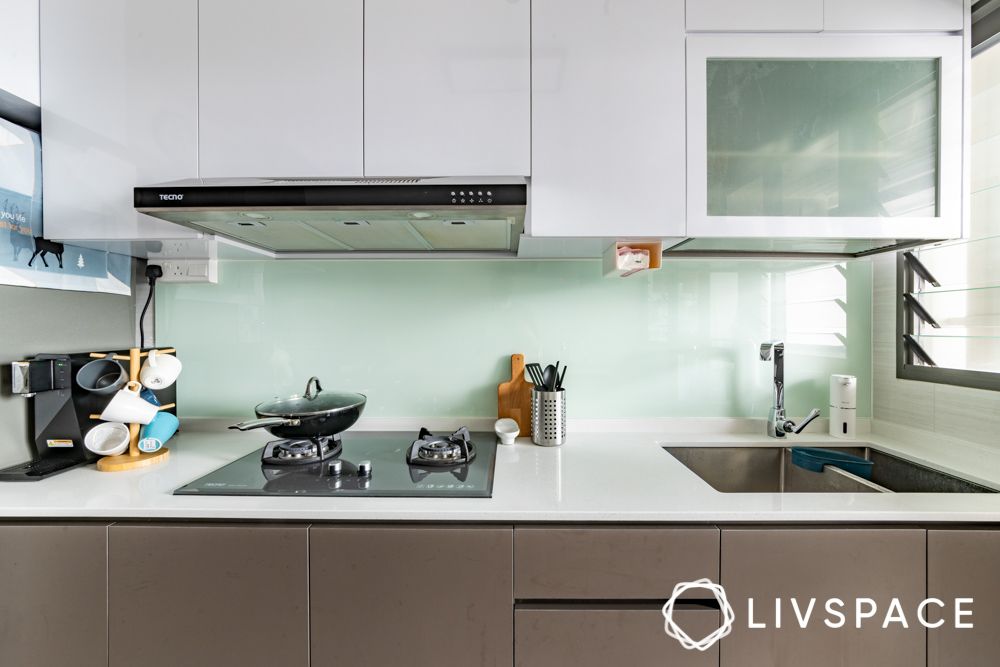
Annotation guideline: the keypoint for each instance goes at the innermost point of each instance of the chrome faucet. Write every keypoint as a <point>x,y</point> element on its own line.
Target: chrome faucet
<point>777,425</point>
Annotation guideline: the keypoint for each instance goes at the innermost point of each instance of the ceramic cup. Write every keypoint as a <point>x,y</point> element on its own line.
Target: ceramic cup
<point>102,376</point>
<point>128,407</point>
<point>107,439</point>
<point>157,432</point>
<point>159,370</point>
<point>148,396</point>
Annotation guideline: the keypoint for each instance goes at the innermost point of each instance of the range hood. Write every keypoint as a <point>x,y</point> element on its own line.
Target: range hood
<point>316,217</point>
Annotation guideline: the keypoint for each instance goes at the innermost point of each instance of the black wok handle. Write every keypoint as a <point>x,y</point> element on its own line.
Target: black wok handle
<point>310,394</point>
<point>269,421</point>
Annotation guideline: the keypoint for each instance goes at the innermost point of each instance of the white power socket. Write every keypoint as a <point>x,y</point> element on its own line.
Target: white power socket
<point>187,260</point>
<point>190,271</point>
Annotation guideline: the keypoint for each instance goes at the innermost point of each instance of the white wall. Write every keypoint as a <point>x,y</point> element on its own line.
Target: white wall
<point>19,48</point>
<point>969,414</point>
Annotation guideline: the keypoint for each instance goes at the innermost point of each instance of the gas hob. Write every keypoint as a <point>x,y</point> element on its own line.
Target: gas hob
<point>371,464</point>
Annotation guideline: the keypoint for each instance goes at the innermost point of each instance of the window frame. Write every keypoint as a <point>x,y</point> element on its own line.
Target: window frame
<point>906,369</point>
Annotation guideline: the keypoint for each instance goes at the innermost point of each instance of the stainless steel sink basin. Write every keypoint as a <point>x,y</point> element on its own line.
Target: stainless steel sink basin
<point>770,470</point>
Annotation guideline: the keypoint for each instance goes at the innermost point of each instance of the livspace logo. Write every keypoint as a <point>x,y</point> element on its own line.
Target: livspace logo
<point>836,612</point>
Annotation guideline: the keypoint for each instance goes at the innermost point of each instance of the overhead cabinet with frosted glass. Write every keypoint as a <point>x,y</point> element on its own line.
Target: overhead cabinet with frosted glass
<point>852,139</point>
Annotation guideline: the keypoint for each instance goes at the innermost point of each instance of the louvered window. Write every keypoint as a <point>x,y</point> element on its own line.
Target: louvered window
<point>949,293</point>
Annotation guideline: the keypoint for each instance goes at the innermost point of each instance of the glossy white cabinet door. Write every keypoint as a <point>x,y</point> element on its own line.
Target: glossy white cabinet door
<point>447,87</point>
<point>825,136</point>
<point>756,15</point>
<point>19,49</point>
<point>894,15</point>
<point>607,118</point>
<point>119,91</point>
<point>281,88</point>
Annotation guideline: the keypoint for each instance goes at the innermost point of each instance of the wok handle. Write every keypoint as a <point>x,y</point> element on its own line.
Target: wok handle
<point>310,393</point>
<point>269,421</point>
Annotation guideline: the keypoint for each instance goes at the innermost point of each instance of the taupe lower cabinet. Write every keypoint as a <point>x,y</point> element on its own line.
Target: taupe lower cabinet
<point>802,563</point>
<point>53,595</point>
<point>205,594</point>
<point>416,596</point>
<point>964,564</point>
<point>591,596</point>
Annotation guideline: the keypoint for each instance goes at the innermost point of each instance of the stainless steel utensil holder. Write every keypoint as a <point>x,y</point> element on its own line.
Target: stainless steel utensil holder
<point>548,417</point>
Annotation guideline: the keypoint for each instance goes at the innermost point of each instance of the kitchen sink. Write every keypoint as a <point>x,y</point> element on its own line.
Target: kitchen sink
<point>770,470</point>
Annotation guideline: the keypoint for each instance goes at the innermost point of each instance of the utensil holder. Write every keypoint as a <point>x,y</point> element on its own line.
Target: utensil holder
<point>548,417</point>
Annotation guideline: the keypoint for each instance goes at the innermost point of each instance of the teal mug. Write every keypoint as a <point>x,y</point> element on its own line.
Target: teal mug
<point>157,432</point>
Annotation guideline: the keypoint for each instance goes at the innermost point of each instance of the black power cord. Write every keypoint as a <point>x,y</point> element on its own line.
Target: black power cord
<point>153,271</point>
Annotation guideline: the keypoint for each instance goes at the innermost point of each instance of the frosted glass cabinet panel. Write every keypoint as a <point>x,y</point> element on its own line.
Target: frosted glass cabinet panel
<point>825,136</point>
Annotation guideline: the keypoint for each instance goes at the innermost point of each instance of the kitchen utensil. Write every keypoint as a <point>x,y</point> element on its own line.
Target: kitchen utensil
<point>159,370</point>
<point>317,413</point>
<point>559,382</point>
<point>107,439</point>
<point>548,417</point>
<point>102,376</point>
<point>128,407</point>
<point>814,459</point>
<point>535,372</point>
<point>514,396</point>
<point>549,378</point>
<point>507,430</point>
<point>555,378</point>
<point>156,433</point>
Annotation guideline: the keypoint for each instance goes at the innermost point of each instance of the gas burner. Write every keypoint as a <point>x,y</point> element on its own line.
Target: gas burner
<point>300,452</point>
<point>441,450</point>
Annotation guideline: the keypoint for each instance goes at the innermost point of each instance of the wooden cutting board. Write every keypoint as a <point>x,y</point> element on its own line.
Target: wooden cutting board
<point>514,396</point>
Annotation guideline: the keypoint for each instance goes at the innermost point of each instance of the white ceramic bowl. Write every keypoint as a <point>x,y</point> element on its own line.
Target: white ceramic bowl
<point>507,429</point>
<point>107,439</point>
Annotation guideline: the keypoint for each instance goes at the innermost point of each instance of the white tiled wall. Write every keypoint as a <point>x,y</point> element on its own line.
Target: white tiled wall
<point>969,414</point>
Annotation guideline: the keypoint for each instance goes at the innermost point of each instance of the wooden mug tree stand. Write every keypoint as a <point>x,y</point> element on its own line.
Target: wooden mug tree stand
<point>134,458</point>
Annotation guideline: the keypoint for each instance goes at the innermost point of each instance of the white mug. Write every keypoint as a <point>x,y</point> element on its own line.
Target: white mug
<point>128,407</point>
<point>160,370</point>
<point>107,439</point>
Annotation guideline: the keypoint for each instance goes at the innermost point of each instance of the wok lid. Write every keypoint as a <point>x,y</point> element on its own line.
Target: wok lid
<point>315,401</point>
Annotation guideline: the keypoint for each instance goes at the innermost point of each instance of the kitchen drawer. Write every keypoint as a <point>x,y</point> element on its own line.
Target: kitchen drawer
<point>597,637</point>
<point>611,563</point>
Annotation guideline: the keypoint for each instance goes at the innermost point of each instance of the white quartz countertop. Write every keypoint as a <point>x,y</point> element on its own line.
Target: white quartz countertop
<point>615,476</point>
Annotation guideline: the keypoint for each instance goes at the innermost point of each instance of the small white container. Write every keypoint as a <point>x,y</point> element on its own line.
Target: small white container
<point>843,406</point>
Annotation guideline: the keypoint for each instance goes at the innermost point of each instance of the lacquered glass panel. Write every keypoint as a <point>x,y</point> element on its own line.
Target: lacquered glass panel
<point>433,338</point>
<point>822,138</point>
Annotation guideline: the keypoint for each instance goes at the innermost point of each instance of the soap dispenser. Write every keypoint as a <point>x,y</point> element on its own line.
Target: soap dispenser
<point>843,406</point>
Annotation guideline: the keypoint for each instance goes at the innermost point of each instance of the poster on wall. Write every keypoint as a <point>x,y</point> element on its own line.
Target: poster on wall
<point>27,258</point>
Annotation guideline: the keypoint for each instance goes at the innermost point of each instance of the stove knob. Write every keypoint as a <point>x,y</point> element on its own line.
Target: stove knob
<point>364,468</point>
<point>335,467</point>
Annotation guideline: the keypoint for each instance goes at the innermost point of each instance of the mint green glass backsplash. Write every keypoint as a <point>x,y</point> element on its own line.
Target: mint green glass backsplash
<point>433,338</point>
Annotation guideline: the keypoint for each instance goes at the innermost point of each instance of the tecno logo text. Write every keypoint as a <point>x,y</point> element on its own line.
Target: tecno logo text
<point>171,197</point>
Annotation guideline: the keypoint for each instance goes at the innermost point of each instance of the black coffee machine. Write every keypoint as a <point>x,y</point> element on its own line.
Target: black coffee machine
<point>60,413</point>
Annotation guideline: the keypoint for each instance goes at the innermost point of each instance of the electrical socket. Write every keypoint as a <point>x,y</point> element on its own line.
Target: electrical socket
<point>190,271</point>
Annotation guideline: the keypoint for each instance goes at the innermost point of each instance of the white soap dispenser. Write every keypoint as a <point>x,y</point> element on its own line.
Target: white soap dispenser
<point>843,406</point>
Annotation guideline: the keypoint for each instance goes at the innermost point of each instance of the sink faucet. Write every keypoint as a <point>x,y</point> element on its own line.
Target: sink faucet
<point>777,425</point>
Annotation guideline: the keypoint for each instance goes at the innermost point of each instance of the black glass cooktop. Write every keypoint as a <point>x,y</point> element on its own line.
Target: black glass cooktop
<point>390,475</point>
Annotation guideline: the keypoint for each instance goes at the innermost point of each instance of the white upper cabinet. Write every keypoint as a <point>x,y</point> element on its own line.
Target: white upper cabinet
<point>281,88</point>
<point>119,98</point>
<point>447,87</point>
<point>894,15</point>
<point>756,15</point>
<point>607,118</point>
<point>825,136</point>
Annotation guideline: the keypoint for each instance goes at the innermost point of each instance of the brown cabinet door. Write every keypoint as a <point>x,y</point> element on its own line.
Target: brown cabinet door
<point>611,563</point>
<point>53,595</point>
<point>765,564</point>
<point>414,596</point>
<point>208,595</point>
<point>963,564</point>
<point>590,636</point>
